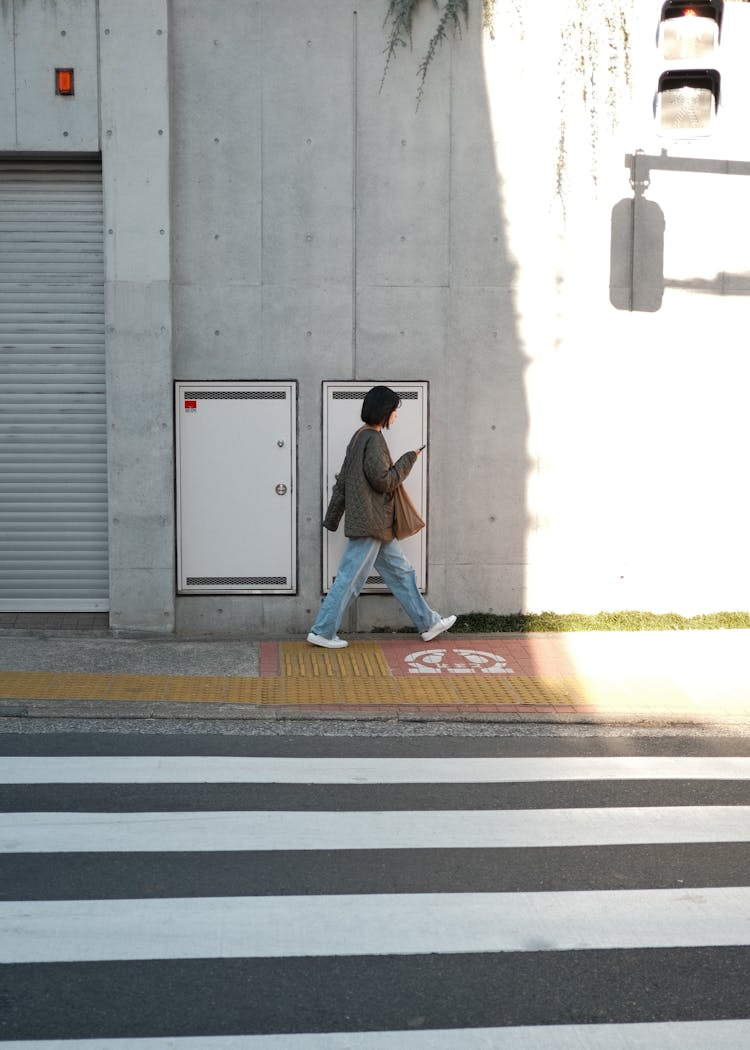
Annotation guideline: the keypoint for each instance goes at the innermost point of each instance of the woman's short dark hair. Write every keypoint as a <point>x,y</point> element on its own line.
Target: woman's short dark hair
<point>378,405</point>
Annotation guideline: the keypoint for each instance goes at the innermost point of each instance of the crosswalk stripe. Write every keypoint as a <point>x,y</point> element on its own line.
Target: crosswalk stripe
<point>378,924</point>
<point>602,934</point>
<point>322,830</point>
<point>695,1035</point>
<point>233,769</point>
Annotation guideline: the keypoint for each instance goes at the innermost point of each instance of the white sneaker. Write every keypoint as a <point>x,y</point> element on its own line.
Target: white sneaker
<point>437,628</point>
<point>327,643</point>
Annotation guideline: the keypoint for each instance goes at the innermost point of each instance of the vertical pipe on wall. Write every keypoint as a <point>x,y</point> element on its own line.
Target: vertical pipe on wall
<point>354,194</point>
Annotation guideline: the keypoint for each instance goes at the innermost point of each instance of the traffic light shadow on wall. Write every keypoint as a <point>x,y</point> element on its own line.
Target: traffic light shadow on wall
<point>636,262</point>
<point>688,90</point>
<point>636,275</point>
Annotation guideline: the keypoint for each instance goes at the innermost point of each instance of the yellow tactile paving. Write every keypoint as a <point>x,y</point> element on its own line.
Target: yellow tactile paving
<point>362,660</point>
<point>360,677</point>
<point>25,685</point>
<point>81,686</point>
<point>373,691</point>
<point>190,689</point>
<point>136,687</point>
<point>244,690</point>
<point>475,690</point>
<point>428,690</point>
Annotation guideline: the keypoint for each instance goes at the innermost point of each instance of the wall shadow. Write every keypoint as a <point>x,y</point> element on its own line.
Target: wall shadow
<point>451,317</point>
<point>487,358</point>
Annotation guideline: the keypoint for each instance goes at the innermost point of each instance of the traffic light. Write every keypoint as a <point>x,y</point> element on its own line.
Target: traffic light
<point>689,88</point>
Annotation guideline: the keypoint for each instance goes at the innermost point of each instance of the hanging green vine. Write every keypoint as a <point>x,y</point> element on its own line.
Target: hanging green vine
<point>400,15</point>
<point>593,59</point>
<point>582,36</point>
<point>450,18</point>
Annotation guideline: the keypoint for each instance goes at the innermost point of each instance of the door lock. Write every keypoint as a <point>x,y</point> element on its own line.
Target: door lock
<point>281,489</point>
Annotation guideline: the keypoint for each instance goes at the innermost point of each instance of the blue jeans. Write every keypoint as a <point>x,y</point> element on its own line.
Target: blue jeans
<point>357,562</point>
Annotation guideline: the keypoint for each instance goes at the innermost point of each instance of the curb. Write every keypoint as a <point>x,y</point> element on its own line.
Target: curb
<point>166,711</point>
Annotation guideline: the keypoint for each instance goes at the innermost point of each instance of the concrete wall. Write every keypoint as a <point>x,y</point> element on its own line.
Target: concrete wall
<point>327,230</point>
<point>274,214</point>
<point>135,137</point>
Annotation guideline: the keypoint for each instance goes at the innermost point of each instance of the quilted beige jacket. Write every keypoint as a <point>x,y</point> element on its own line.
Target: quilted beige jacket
<point>364,487</point>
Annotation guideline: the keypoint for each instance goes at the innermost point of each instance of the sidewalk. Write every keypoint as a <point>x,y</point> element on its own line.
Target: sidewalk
<point>667,677</point>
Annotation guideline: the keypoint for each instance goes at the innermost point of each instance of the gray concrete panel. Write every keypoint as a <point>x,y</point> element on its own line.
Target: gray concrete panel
<point>254,616</point>
<point>307,142</point>
<point>218,332</point>
<point>141,600</point>
<point>135,140</point>
<point>7,79</point>
<point>140,445</point>
<point>403,161</point>
<point>497,588</point>
<point>402,331</point>
<point>484,326</point>
<point>138,538</point>
<point>216,109</point>
<point>50,36</point>
<point>307,332</point>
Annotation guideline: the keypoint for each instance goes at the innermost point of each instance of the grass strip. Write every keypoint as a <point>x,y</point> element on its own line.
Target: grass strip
<point>625,620</point>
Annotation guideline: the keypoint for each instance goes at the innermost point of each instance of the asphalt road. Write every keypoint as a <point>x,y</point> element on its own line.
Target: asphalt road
<point>564,887</point>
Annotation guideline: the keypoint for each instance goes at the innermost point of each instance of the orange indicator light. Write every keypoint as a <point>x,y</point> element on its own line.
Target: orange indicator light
<point>64,82</point>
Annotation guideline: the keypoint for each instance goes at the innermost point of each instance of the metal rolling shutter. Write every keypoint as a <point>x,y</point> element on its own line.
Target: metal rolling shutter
<point>53,455</point>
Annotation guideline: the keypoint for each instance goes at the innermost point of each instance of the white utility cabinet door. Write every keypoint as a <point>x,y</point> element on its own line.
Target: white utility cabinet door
<point>342,404</point>
<point>236,499</point>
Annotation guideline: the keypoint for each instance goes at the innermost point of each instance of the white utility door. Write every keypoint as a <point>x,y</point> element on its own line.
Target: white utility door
<point>342,404</point>
<point>236,499</point>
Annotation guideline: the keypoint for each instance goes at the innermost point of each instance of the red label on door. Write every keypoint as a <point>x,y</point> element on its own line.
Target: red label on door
<point>191,406</point>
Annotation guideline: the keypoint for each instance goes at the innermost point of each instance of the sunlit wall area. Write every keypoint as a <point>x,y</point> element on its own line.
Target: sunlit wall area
<point>633,262</point>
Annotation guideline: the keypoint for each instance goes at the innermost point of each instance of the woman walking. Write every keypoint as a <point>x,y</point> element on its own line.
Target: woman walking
<point>364,489</point>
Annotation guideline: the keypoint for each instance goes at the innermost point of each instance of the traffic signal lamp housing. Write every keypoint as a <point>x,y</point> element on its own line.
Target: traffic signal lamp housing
<point>690,32</point>
<point>689,89</point>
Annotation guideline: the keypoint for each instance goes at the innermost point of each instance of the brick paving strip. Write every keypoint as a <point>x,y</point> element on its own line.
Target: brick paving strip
<point>454,676</point>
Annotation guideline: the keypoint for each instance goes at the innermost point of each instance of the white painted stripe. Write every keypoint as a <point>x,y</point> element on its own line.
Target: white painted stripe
<point>682,1035</point>
<point>231,769</point>
<point>324,830</point>
<point>377,924</point>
